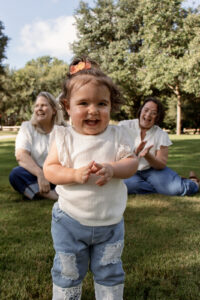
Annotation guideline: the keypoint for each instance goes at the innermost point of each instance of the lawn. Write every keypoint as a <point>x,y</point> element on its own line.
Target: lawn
<point>161,255</point>
<point>2,133</point>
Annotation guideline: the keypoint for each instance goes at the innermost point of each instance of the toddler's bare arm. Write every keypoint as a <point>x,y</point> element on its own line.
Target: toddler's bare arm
<point>56,173</point>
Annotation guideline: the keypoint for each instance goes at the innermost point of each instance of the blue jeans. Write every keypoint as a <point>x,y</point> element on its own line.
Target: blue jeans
<point>80,247</point>
<point>164,181</point>
<point>24,182</point>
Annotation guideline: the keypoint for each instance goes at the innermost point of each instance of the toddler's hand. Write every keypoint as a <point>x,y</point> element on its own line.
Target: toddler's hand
<point>82,174</point>
<point>105,171</point>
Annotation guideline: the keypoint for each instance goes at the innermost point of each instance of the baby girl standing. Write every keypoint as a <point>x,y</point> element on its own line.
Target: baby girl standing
<point>88,162</point>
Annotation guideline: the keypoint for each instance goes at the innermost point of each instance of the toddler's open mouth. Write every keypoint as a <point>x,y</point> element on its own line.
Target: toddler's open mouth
<point>91,122</point>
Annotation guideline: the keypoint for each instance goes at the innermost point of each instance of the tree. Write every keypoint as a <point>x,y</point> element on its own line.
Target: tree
<point>147,47</point>
<point>108,33</point>
<point>169,34</point>
<point>5,93</point>
<point>3,43</point>
<point>191,108</point>
<point>3,71</point>
<point>43,74</point>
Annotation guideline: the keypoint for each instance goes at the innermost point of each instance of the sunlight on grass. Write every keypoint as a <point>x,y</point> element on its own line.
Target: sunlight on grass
<point>184,137</point>
<point>3,133</point>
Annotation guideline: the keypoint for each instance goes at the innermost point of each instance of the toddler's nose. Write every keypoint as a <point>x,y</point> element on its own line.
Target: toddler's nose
<point>93,109</point>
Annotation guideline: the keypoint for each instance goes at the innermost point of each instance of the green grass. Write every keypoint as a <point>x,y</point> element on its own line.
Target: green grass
<point>184,154</point>
<point>161,255</point>
<point>2,133</point>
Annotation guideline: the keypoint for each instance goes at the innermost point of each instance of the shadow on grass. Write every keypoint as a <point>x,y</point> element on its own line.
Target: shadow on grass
<point>184,156</point>
<point>7,161</point>
<point>161,255</point>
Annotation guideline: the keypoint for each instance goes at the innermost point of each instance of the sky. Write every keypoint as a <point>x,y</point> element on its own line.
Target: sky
<point>41,27</point>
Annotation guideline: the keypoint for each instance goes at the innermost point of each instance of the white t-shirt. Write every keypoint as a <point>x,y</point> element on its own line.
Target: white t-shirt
<point>154,136</point>
<point>88,203</point>
<point>28,138</point>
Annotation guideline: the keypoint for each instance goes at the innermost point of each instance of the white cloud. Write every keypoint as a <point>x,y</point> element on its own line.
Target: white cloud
<point>191,3</point>
<point>49,37</point>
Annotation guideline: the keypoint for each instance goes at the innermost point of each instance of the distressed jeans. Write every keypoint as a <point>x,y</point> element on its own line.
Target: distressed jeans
<point>165,181</point>
<point>79,247</point>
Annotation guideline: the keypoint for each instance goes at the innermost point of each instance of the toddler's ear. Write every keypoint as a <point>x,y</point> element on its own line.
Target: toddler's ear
<point>66,105</point>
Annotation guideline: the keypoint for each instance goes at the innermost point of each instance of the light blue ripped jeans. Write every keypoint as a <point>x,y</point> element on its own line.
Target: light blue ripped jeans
<point>79,247</point>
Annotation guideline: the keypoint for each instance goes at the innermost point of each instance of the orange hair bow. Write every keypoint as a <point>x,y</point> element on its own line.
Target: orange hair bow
<point>79,67</point>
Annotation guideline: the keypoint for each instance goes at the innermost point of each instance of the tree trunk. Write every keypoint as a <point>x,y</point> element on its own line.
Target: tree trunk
<point>178,117</point>
<point>176,91</point>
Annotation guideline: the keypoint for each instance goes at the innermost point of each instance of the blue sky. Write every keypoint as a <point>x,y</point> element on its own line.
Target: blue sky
<point>41,27</point>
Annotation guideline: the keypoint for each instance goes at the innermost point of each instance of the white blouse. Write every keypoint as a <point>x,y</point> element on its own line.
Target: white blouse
<point>154,136</point>
<point>28,138</point>
<point>90,204</point>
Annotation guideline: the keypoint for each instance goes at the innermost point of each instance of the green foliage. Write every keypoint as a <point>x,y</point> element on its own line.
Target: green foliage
<point>191,107</point>
<point>42,74</point>
<point>169,50</point>
<point>3,44</point>
<point>147,47</point>
<point>108,34</point>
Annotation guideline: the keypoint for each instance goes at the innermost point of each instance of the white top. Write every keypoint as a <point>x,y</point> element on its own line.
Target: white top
<point>28,138</point>
<point>88,203</point>
<point>154,136</point>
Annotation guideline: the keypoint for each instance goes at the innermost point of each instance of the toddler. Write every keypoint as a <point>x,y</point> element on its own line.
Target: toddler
<point>88,162</point>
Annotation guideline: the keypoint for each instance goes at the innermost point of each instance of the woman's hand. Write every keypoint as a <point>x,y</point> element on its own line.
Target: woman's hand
<point>140,147</point>
<point>145,152</point>
<point>26,161</point>
<point>44,185</point>
<point>158,160</point>
<point>141,151</point>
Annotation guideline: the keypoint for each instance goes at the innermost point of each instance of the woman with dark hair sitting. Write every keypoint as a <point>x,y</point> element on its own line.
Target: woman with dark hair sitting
<point>151,146</point>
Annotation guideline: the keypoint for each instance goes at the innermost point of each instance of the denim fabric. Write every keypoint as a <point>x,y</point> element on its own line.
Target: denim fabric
<point>80,247</point>
<point>24,182</point>
<point>102,292</point>
<point>72,293</point>
<point>164,181</point>
<point>109,292</point>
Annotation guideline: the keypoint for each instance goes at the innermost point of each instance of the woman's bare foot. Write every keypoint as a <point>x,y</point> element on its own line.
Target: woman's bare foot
<point>193,177</point>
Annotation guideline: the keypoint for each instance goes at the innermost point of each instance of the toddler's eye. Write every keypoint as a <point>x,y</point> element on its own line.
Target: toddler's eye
<point>83,103</point>
<point>103,104</point>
